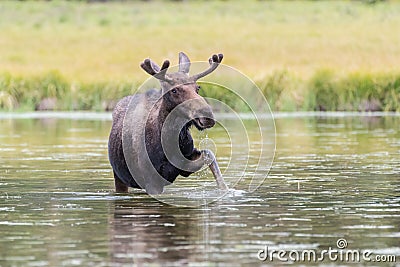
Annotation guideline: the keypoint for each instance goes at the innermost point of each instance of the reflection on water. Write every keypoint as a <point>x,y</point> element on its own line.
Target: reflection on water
<point>142,234</point>
<point>333,177</point>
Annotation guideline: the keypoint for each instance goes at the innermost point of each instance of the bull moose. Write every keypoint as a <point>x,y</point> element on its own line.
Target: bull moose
<point>150,143</point>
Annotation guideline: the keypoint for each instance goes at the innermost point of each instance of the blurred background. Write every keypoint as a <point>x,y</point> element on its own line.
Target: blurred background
<point>334,175</point>
<point>304,55</point>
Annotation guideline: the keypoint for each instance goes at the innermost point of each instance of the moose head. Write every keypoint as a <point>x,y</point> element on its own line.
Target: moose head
<point>181,89</point>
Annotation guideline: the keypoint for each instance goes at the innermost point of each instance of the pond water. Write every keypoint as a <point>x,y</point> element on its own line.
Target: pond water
<point>334,176</point>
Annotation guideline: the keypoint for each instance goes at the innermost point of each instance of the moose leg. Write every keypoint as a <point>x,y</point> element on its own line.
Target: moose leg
<point>206,156</point>
<point>213,165</point>
<point>120,187</point>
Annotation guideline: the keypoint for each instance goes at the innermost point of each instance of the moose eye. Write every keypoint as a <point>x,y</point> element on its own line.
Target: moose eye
<point>198,88</point>
<point>173,91</point>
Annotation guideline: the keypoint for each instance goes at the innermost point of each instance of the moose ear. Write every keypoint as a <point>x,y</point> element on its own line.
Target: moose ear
<point>184,63</point>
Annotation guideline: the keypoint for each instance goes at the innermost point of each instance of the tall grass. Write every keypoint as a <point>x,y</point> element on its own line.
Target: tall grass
<point>362,92</point>
<point>23,93</point>
<point>283,90</point>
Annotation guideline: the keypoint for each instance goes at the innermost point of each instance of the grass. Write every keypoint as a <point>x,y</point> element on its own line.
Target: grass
<point>300,53</point>
<point>26,93</point>
<point>284,92</point>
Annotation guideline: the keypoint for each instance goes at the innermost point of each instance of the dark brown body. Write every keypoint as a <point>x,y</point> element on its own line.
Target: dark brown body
<point>136,151</point>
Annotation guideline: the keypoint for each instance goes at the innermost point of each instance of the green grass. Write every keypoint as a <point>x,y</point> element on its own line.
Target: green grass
<point>354,92</point>
<point>26,93</point>
<point>284,92</point>
<point>88,54</point>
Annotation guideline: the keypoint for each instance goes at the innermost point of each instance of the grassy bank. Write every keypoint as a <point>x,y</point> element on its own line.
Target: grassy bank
<point>284,91</point>
<point>25,94</point>
<point>86,55</point>
<point>329,91</point>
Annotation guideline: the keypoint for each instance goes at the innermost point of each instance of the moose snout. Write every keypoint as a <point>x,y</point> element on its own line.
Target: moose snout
<point>204,123</point>
<point>204,118</point>
<point>198,112</point>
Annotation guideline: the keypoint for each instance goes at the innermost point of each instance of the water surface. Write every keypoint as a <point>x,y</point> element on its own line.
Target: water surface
<point>333,177</point>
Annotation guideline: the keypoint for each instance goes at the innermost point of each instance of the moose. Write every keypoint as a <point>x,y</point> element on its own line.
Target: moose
<point>150,143</point>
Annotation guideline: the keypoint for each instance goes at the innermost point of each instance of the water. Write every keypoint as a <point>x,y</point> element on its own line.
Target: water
<point>333,177</point>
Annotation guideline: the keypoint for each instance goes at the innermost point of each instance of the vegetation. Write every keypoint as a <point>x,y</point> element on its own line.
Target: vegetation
<point>284,92</point>
<point>26,94</point>
<point>328,91</point>
<point>317,55</point>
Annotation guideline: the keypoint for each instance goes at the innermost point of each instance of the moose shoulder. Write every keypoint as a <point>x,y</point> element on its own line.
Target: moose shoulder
<point>150,143</point>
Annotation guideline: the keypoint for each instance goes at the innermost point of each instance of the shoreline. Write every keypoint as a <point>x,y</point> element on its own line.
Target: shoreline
<point>89,115</point>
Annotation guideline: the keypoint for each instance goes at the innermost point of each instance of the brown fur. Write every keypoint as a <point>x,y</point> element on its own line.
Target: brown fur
<point>136,152</point>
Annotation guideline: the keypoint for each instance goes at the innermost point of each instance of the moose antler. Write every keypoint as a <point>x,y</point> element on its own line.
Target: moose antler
<point>214,62</point>
<point>154,70</point>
